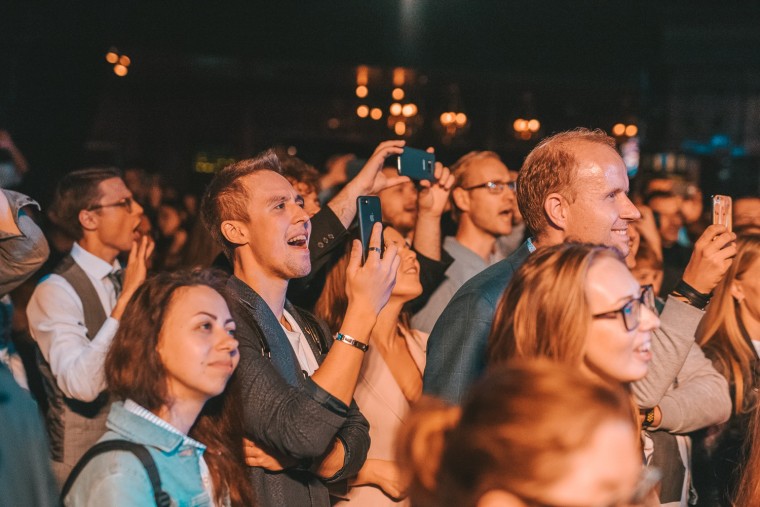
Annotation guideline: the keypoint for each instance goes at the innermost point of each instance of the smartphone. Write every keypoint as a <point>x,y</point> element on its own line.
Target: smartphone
<point>722,210</point>
<point>417,164</point>
<point>368,211</point>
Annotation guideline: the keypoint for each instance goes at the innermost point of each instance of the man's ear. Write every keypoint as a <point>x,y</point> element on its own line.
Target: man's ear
<point>236,232</point>
<point>556,208</point>
<point>88,220</point>
<point>737,291</point>
<point>461,198</point>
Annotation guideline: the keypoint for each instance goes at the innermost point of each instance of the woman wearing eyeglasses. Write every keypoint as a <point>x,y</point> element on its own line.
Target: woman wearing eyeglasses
<point>577,304</point>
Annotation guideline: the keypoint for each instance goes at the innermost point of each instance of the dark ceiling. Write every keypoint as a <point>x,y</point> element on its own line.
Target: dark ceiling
<point>594,56</point>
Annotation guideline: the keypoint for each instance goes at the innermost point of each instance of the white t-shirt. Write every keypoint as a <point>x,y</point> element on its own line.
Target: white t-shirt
<point>301,347</point>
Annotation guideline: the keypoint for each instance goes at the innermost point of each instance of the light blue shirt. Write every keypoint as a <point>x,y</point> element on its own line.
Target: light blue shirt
<point>118,478</point>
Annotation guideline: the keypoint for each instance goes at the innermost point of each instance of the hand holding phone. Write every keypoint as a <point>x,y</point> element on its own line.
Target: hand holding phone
<point>369,213</point>
<point>417,164</point>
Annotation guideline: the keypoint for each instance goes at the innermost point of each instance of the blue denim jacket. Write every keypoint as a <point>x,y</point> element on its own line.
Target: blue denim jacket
<point>118,478</point>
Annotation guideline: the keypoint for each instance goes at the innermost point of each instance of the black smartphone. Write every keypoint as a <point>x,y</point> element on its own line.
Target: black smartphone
<point>417,164</point>
<point>368,211</point>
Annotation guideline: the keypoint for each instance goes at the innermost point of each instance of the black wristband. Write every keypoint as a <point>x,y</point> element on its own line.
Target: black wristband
<point>696,298</point>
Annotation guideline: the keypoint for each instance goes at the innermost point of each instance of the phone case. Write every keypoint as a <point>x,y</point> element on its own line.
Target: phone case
<point>368,211</point>
<point>722,210</point>
<point>417,164</point>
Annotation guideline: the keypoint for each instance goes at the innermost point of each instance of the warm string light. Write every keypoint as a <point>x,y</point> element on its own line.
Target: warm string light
<point>120,63</point>
<point>621,129</point>
<point>401,116</point>
<point>525,129</point>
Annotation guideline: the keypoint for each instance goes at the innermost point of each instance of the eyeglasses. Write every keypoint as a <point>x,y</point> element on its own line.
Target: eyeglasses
<point>123,203</point>
<point>631,311</point>
<point>494,187</point>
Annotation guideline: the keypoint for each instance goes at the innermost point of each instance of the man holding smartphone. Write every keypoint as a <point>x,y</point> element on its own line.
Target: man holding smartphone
<point>296,382</point>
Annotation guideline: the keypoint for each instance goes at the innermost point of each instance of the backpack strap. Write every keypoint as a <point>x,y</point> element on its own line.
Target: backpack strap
<point>162,498</point>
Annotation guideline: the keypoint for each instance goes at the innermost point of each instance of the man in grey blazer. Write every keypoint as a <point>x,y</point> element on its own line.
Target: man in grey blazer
<point>574,186</point>
<point>296,382</point>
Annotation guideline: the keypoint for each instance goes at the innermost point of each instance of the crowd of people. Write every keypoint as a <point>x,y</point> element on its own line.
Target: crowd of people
<point>541,337</point>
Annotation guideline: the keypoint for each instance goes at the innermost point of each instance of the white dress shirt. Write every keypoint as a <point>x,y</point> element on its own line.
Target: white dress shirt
<point>56,322</point>
<point>301,347</point>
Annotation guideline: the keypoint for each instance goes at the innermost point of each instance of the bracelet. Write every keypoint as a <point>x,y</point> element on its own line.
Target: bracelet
<point>351,341</point>
<point>695,298</point>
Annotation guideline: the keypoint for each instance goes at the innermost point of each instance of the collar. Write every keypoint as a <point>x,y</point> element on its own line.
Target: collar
<point>142,426</point>
<point>463,254</point>
<point>91,264</point>
<point>531,246</point>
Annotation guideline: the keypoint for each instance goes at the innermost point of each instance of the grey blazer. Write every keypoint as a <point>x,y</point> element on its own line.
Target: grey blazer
<point>286,411</point>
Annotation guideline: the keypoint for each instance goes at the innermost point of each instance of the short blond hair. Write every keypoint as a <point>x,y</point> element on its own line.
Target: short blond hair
<point>460,169</point>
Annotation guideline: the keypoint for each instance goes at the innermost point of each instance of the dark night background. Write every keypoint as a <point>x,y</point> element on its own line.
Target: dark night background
<point>230,79</point>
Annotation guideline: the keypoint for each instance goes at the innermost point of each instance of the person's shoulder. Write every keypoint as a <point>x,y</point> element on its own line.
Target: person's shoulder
<point>53,286</point>
<point>120,469</point>
<point>489,283</point>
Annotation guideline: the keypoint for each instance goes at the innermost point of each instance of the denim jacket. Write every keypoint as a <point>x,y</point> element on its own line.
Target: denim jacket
<point>118,478</point>
<point>20,254</point>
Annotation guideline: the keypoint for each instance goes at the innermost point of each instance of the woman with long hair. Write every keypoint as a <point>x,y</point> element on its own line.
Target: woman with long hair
<point>168,368</point>
<point>391,374</point>
<point>577,304</point>
<point>730,335</point>
<point>531,433</point>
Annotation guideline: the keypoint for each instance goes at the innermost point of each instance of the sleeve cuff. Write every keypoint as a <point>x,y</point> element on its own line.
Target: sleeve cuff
<point>346,460</point>
<point>325,399</point>
<point>105,334</point>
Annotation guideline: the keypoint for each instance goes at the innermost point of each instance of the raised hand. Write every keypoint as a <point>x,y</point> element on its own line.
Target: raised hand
<point>713,254</point>
<point>134,273</point>
<point>369,286</point>
<point>371,179</point>
<point>433,196</point>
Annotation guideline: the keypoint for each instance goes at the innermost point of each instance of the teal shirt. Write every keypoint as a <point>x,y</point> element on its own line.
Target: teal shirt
<point>118,478</point>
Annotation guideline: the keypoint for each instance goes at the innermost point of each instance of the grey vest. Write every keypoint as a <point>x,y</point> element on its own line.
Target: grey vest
<point>74,425</point>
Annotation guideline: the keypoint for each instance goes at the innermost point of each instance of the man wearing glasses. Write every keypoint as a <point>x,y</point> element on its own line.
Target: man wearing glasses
<point>483,204</point>
<point>74,313</point>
